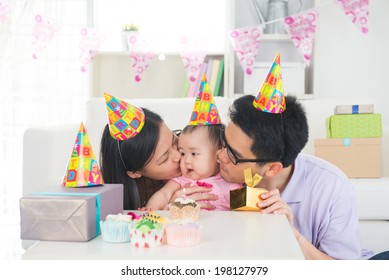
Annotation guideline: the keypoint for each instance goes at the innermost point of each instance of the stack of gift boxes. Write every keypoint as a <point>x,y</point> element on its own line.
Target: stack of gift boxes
<point>353,141</point>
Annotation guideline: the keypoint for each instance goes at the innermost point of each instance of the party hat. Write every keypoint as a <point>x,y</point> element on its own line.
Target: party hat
<point>125,120</point>
<point>83,170</point>
<point>271,97</point>
<point>204,111</point>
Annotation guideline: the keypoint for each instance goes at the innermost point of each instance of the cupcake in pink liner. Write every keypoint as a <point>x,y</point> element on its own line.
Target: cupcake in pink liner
<point>183,232</point>
<point>184,208</point>
<point>148,231</point>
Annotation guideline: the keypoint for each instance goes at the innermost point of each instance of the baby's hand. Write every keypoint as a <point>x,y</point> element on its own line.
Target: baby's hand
<point>146,209</point>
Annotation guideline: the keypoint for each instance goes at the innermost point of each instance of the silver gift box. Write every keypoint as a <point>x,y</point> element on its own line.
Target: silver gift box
<point>68,214</point>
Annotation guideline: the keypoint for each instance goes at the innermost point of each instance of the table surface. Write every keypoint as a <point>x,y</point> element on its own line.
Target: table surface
<point>225,235</point>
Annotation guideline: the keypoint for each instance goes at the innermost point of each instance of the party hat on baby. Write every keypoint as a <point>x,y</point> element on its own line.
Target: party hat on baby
<point>83,170</point>
<point>271,97</point>
<point>125,120</point>
<point>204,111</point>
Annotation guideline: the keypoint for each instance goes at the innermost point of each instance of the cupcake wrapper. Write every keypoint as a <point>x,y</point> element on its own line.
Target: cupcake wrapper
<point>182,236</point>
<point>152,238</point>
<point>115,232</point>
<point>184,212</point>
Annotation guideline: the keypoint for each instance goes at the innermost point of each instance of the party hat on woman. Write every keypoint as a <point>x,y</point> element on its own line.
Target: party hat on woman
<point>125,120</point>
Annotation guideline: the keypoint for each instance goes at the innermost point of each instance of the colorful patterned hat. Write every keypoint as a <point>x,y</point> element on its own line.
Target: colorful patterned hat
<point>83,170</point>
<point>271,97</point>
<point>204,111</point>
<point>125,120</point>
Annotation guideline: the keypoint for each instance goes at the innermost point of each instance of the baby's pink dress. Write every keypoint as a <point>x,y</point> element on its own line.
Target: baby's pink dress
<point>219,186</point>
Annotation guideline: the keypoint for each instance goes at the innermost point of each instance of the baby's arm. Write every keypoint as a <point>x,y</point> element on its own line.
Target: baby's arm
<point>160,199</point>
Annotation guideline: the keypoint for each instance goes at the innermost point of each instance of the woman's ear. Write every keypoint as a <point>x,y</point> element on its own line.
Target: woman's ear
<point>134,174</point>
<point>273,169</point>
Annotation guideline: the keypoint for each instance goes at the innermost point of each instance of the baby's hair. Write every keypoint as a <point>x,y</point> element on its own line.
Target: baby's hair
<point>214,132</point>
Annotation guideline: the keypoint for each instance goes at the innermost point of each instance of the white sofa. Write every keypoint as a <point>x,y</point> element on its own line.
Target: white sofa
<point>49,148</point>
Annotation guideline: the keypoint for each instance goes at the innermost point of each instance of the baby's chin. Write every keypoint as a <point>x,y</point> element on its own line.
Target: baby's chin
<point>191,174</point>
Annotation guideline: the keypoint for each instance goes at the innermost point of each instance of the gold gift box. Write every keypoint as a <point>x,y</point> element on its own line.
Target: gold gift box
<point>245,198</point>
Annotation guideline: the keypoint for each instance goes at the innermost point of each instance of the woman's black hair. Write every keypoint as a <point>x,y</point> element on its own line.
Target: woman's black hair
<point>276,136</point>
<point>136,153</point>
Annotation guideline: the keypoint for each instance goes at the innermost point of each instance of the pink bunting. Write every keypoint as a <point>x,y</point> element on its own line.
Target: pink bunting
<point>302,28</point>
<point>245,42</point>
<point>43,33</point>
<point>141,54</point>
<point>90,43</point>
<point>5,11</point>
<point>357,11</point>
<point>193,55</point>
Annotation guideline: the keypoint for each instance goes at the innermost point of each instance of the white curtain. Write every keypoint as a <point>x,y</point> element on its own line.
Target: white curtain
<point>49,90</point>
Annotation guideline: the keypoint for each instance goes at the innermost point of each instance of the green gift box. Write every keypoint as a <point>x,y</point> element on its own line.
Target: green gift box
<point>354,126</point>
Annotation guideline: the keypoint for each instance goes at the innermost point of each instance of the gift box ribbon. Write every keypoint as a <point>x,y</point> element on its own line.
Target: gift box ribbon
<point>96,195</point>
<point>249,179</point>
<point>355,109</point>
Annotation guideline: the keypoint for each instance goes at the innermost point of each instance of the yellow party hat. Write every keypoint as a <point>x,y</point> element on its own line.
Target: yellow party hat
<point>82,170</point>
<point>271,97</point>
<point>204,111</point>
<point>125,120</point>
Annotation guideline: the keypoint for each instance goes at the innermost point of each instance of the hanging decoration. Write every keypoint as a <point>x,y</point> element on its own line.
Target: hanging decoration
<point>302,29</point>
<point>141,54</point>
<point>245,42</point>
<point>90,42</point>
<point>5,11</point>
<point>193,55</point>
<point>43,33</point>
<point>357,11</point>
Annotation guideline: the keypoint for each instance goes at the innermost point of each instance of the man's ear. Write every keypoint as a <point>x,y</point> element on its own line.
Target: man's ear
<point>273,169</point>
<point>134,174</point>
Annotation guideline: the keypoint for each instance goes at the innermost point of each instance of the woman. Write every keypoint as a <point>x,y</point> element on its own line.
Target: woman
<point>145,161</point>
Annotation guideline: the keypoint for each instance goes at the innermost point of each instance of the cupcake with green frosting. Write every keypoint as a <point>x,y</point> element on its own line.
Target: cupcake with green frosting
<point>148,231</point>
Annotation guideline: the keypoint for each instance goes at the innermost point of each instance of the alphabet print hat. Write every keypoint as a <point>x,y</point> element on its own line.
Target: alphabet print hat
<point>271,97</point>
<point>125,120</point>
<point>82,170</point>
<point>204,111</point>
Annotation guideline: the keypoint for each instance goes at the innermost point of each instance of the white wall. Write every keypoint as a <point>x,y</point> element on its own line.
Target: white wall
<point>348,64</point>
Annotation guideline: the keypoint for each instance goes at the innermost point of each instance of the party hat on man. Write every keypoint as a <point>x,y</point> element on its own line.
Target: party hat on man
<point>204,111</point>
<point>125,120</point>
<point>82,170</point>
<point>271,97</point>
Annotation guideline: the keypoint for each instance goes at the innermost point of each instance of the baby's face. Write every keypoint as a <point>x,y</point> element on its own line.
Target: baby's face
<point>198,155</point>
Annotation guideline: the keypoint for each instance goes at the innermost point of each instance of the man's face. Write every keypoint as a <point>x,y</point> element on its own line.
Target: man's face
<point>238,146</point>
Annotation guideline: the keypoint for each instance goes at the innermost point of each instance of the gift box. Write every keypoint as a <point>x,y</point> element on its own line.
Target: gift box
<point>245,198</point>
<point>68,214</point>
<point>354,109</point>
<point>354,126</point>
<point>356,157</point>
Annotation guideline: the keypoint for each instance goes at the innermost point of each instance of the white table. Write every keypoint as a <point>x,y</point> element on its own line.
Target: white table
<point>225,235</point>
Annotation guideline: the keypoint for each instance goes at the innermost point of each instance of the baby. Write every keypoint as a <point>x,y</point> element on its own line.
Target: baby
<point>198,146</point>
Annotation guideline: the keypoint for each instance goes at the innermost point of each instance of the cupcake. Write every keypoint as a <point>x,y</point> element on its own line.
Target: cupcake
<point>116,228</point>
<point>183,232</point>
<point>148,231</point>
<point>184,208</point>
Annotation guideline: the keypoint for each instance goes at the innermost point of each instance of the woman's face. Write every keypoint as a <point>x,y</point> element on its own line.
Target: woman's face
<point>165,163</point>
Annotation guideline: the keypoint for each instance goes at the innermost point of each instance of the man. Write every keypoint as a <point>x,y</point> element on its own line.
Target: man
<point>267,134</point>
